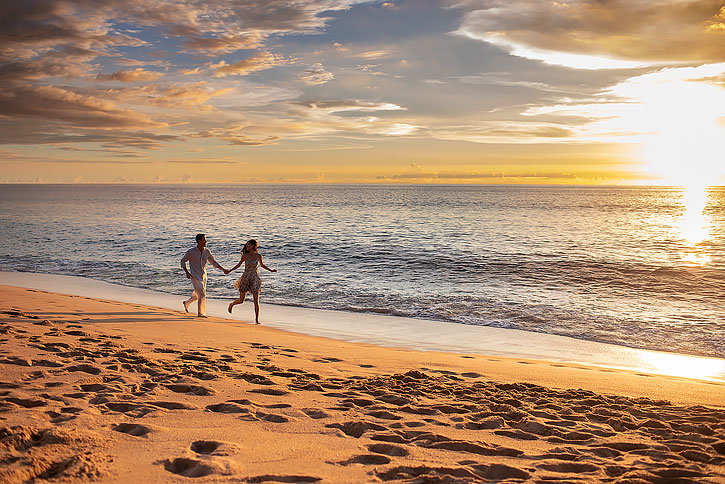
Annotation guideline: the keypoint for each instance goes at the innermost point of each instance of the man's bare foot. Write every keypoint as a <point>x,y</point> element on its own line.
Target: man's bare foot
<point>203,316</point>
<point>186,308</point>
<point>257,322</point>
<point>230,308</point>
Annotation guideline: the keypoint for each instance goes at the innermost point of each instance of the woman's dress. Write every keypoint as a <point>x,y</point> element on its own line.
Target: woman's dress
<point>250,281</point>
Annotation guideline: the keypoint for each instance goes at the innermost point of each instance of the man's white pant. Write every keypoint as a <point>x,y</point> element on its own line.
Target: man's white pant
<point>200,294</point>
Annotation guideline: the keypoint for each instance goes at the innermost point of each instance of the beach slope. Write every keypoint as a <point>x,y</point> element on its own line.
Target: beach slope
<point>97,390</point>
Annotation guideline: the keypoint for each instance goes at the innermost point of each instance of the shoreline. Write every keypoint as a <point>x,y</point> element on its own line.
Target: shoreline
<point>401,332</point>
<point>115,392</point>
<point>112,392</point>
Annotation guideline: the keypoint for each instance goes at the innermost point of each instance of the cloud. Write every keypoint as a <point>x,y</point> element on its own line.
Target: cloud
<point>279,15</point>
<point>258,62</point>
<point>39,131</point>
<point>174,95</point>
<point>226,44</point>
<point>504,131</point>
<point>315,75</point>
<point>597,34</point>
<point>54,103</point>
<point>67,62</point>
<point>373,54</point>
<point>236,135</point>
<point>503,79</point>
<point>336,105</point>
<point>43,41</point>
<point>130,76</point>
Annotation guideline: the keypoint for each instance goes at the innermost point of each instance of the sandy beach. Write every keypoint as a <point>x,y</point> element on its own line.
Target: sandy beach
<point>104,391</point>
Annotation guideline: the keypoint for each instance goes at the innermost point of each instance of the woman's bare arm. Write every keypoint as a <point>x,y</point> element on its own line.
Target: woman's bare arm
<point>238,264</point>
<point>262,264</point>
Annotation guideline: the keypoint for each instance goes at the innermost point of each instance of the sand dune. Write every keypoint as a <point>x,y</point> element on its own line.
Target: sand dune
<point>94,390</point>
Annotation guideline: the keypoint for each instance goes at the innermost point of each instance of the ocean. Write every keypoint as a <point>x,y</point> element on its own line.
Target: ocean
<point>642,267</point>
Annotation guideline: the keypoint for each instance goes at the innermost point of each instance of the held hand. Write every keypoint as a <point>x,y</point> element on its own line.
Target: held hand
<point>188,276</point>
<point>226,271</point>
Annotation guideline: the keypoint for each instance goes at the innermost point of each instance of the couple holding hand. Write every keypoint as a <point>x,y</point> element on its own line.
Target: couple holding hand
<point>198,256</point>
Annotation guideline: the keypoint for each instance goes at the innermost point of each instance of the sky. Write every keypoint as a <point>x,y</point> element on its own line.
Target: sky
<point>345,91</point>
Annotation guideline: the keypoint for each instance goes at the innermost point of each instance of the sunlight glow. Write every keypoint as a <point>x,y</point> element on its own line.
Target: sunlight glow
<point>683,115</point>
<point>684,366</point>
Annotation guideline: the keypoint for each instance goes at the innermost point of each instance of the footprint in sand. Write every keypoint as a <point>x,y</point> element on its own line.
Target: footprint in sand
<point>188,389</point>
<point>498,472</point>
<point>211,447</point>
<point>395,438</point>
<point>96,387</point>
<point>315,413</point>
<point>414,424</point>
<point>85,368</point>
<point>569,467</point>
<point>25,402</point>
<point>172,405</point>
<point>428,474</point>
<point>136,430</point>
<point>227,408</point>
<point>285,374</point>
<point>356,429</point>
<point>384,415</point>
<point>256,379</point>
<point>387,449</point>
<point>188,467</point>
<point>474,448</point>
<point>77,333</point>
<point>517,434</point>
<point>485,424</point>
<point>270,417</point>
<point>278,405</point>
<point>365,459</point>
<point>270,391</point>
<point>205,447</point>
<point>288,479</point>
<point>132,409</point>
<point>327,360</point>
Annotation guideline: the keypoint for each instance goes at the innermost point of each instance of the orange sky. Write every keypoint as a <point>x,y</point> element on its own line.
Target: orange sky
<point>424,91</point>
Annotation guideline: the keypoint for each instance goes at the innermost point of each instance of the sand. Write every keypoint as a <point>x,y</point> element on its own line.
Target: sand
<point>102,391</point>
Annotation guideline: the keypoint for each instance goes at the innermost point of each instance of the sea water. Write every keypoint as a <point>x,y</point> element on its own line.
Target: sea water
<point>635,266</point>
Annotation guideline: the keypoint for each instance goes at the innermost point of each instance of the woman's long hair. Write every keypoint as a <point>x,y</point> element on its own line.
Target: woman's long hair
<point>251,242</point>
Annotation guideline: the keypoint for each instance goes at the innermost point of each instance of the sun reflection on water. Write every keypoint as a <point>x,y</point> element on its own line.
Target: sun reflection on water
<point>693,226</point>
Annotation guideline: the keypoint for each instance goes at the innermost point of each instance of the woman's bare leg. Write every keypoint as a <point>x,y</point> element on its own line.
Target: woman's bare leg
<point>255,295</point>
<point>236,301</point>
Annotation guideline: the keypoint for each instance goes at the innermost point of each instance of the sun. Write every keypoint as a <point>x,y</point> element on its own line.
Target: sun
<point>684,123</point>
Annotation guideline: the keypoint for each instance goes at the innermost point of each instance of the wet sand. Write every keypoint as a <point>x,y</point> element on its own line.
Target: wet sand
<point>97,390</point>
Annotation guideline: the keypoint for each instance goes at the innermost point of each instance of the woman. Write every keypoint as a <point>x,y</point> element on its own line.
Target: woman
<point>250,281</point>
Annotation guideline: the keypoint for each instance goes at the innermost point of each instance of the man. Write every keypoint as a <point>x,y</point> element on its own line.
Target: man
<point>197,258</point>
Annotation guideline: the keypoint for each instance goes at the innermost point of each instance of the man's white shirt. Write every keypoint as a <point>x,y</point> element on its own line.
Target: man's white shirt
<point>197,262</point>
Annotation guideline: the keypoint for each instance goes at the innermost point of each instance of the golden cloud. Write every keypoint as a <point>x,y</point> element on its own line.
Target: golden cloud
<point>188,95</point>
<point>135,75</point>
<point>646,31</point>
<point>57,104</point>
<point>236,135</point>
<point>226,44</point>
<point>258,62</point>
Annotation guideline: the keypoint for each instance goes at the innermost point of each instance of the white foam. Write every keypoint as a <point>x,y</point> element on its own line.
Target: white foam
<point>418,334</point>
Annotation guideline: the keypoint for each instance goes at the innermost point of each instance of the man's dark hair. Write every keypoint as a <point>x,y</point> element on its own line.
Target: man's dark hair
<point>199,237</point>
